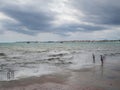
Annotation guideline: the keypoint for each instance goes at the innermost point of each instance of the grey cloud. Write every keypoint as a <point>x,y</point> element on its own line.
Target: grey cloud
<point>30,19</point>
<point>99,11</point>
<point>80,27</point>
<point>34,21</point>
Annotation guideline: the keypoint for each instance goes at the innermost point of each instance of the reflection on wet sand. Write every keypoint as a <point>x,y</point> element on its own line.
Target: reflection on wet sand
<point>102,58</point>
<point>102,70</point>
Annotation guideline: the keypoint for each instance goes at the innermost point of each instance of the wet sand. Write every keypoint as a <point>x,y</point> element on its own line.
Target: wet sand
<point>106,77</point>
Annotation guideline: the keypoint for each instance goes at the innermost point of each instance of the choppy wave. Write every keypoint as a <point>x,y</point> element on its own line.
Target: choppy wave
<point>16,61</point>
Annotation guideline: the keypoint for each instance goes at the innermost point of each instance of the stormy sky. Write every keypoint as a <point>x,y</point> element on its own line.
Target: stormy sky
<point>45,20</point>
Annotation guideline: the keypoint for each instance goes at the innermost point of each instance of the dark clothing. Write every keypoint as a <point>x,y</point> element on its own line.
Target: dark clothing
<point>93,58</point>
<point>101,58</point>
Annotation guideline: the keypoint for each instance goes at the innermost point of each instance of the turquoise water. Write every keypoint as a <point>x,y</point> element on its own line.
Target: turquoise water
<point>19,59</point>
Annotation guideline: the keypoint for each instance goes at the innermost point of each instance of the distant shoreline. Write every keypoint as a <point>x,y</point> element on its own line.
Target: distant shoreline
<point>63,41</point>
<point>69,41</point>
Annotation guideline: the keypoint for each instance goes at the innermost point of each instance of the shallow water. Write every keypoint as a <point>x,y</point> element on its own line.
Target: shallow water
<point>22,60</point>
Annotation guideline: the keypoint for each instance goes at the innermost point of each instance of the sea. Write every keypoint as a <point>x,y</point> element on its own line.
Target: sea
<point>24,60</point>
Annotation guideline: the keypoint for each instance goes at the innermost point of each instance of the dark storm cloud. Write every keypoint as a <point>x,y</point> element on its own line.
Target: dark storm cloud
<point>32,20</point>
<point>99,11</point>
<point>12,26</point>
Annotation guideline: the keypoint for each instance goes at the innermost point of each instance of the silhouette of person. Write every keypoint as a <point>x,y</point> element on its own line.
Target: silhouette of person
<point>102,61</point>
<point>93,58</point>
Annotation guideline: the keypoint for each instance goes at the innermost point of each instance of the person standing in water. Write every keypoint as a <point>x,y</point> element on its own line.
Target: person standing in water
<point>101,58</point>
<point>93,58</point>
